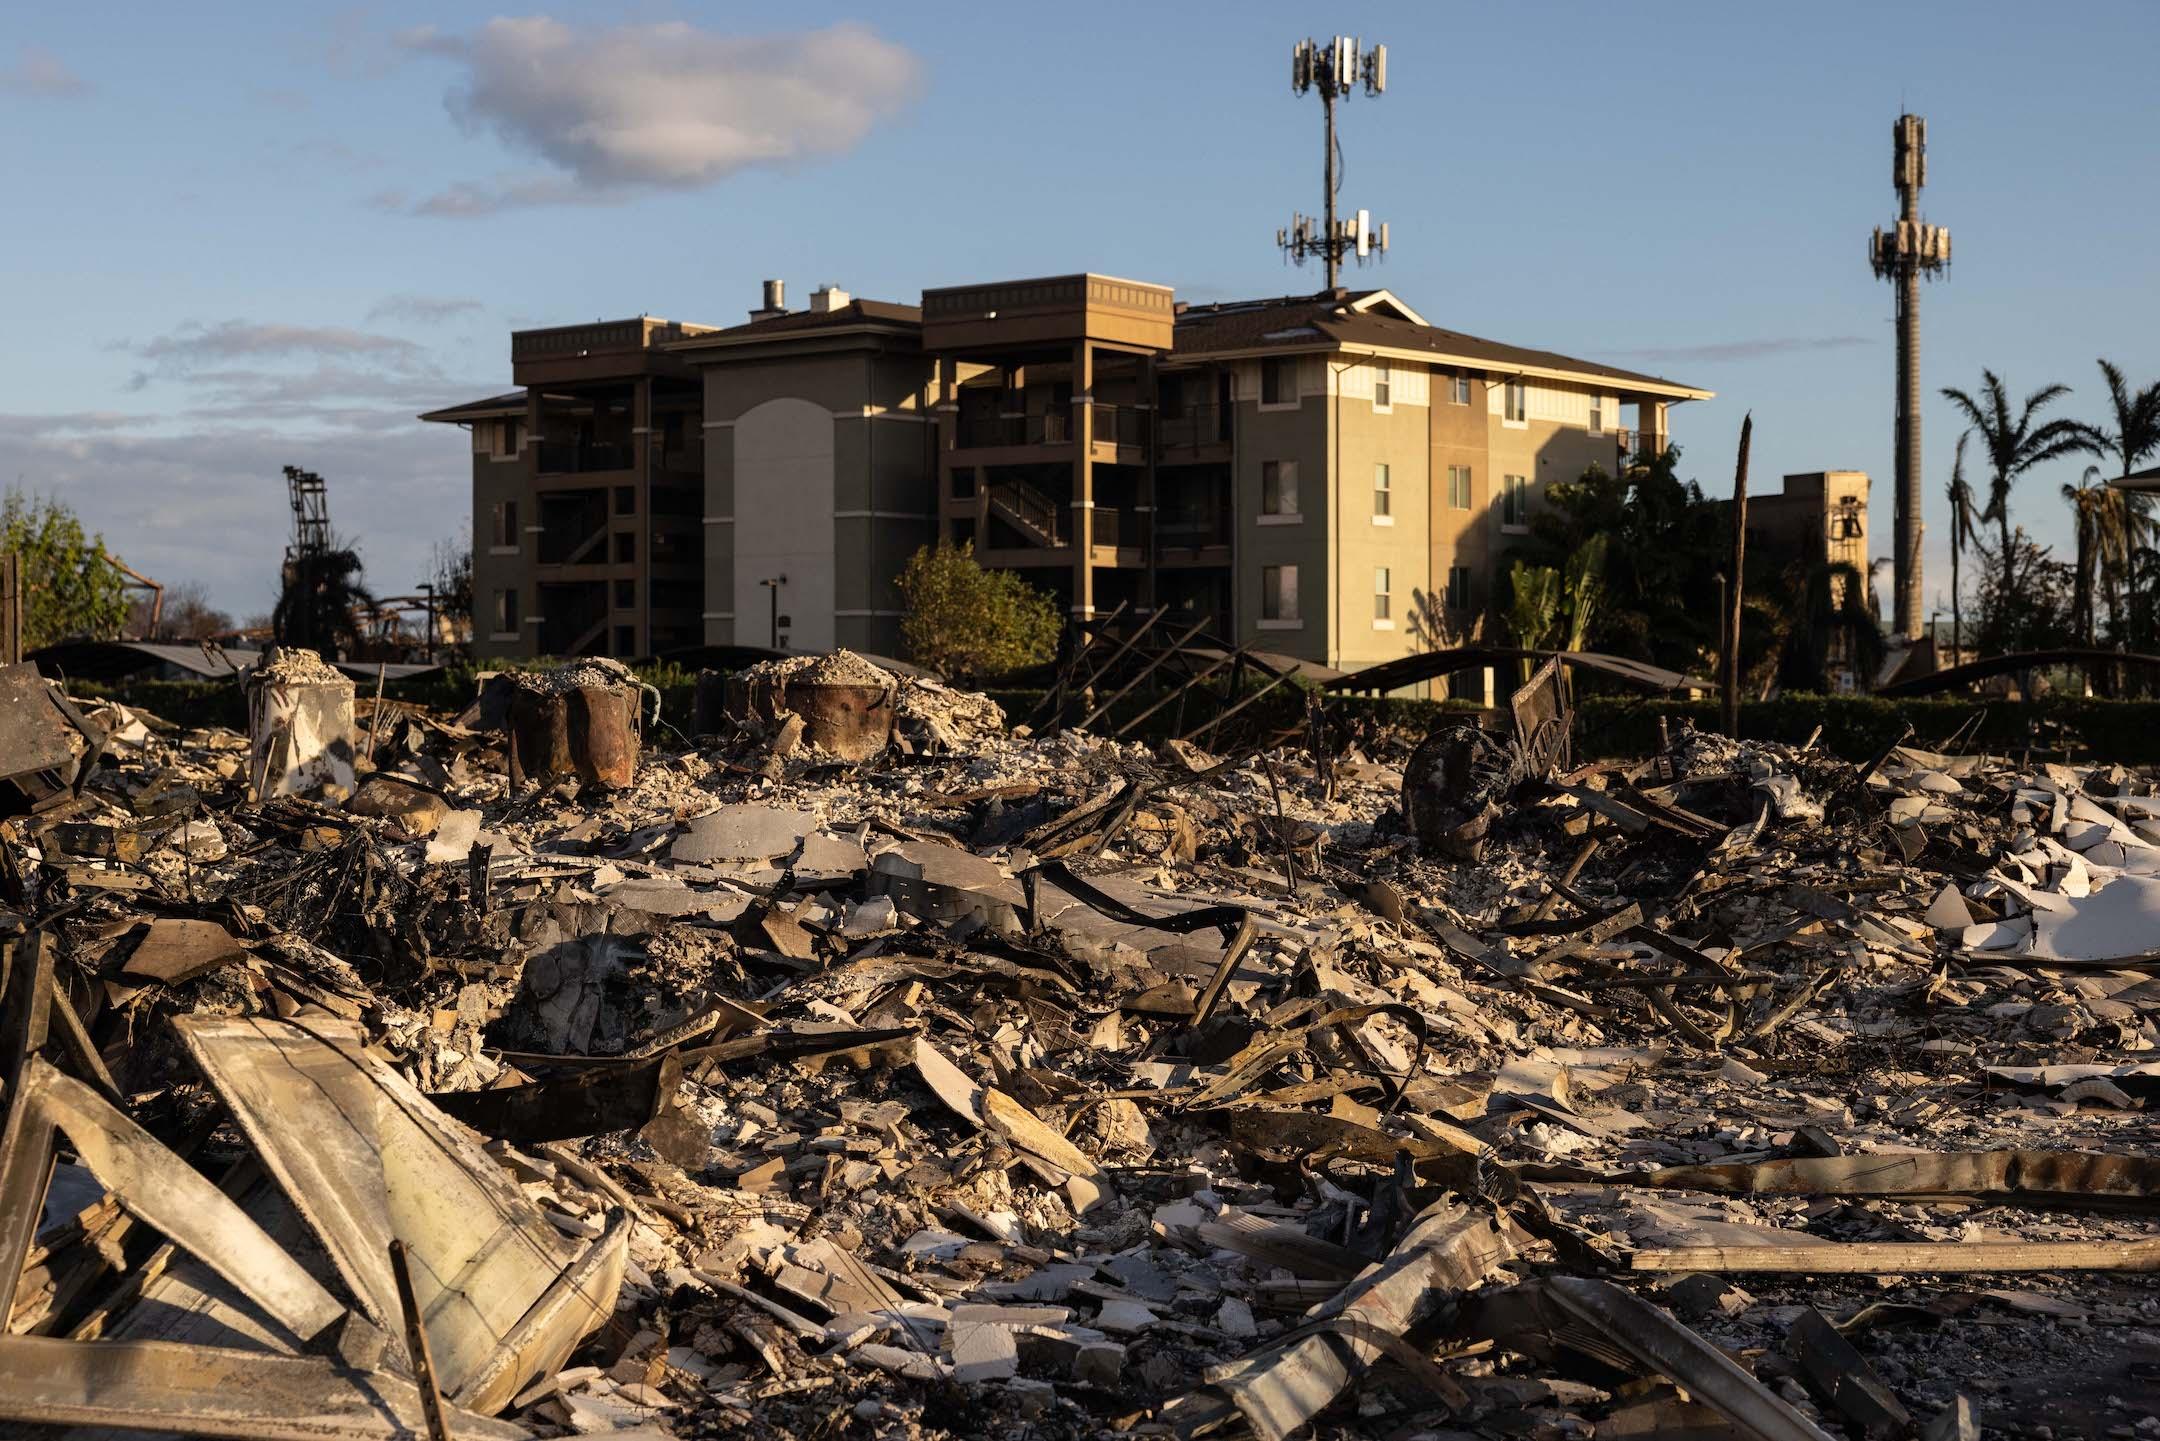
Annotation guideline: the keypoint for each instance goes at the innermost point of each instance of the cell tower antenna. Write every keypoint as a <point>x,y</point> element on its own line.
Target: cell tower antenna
<point>1907,253</point>
<point>1337,70</point>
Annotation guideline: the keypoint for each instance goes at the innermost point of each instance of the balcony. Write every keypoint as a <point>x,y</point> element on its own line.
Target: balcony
<point>1050,427</point>
<point>1196,426</point>
<point>559,457</point>
<point>1117,424</point>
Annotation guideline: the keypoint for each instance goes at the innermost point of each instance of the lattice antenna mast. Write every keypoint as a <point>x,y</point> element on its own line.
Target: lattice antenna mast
<point>310,514</point>
<point>1337,71</point>
<point>1907,253</point>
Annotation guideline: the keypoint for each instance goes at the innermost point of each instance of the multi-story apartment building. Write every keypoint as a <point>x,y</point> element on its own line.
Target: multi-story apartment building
<point>1325,476</point>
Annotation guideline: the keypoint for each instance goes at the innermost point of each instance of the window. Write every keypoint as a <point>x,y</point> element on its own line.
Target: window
<point>1278,381</point>
<point>1462,390</point>
<point>626,500</point>
<point>626,594</point>
<point>1383,387</point>
<point>1278,488</point>
<point>506,612</point>
<point>1278,594</point>
<point>1382,598</point>
<point>1458,587</point>
<point>1597,414</point>
<point>1458,487</point>
<point>1380,494</point>
<point>1515,502</point>
<point>506,525</point>
<point>1513,405</point>
<point>625,547</point>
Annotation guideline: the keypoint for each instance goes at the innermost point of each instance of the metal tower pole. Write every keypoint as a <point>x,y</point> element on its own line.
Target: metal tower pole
<point>1334,251</point>
<point>1907,253</point>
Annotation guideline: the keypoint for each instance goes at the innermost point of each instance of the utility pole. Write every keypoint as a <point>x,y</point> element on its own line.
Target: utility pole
<point>772,586</point>
<point>1731,666</point>
<point>1337,70</point>
<point>427,589</point>
<point>1907,253</point>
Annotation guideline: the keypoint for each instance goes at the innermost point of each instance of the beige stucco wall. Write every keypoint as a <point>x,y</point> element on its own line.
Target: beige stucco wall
<point>1365,437</point>
<point>783,484</point>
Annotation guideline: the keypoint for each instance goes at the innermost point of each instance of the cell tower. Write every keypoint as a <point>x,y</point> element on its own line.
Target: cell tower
<point>1337,70</point>
<point>1906,254</point>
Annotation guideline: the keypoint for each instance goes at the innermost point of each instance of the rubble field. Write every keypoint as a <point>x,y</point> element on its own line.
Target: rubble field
<point>1052,1086</point>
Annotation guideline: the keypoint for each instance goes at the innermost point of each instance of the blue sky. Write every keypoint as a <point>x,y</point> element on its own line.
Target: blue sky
<point>254,234</point>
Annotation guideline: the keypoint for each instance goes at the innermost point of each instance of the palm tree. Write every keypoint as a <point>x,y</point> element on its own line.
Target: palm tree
<point>2085,505</point>
<point>316,609</point>
<point>2015,445</point>
<point>2126,518</point>
<point>1962,534</point>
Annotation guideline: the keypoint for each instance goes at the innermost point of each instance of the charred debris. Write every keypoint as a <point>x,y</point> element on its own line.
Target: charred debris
<point>870,1066</point>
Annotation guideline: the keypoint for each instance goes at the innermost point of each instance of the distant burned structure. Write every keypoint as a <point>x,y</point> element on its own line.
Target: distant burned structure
<point>1905,254</point>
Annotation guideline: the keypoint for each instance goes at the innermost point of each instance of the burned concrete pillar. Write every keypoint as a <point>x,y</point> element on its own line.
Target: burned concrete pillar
<point>300,726</point>
<point>581,720</point>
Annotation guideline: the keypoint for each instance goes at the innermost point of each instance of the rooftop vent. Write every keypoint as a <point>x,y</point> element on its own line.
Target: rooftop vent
<point>775,301</point>
<point>828,298</point>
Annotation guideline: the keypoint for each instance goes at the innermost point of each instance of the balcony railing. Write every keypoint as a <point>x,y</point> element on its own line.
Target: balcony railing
<point>1050,427</point>
<point>1118,424</point>
<point>1196,426</point>
<point>561,457</point>
<point>1191,530</point>
<point>1105,529</point>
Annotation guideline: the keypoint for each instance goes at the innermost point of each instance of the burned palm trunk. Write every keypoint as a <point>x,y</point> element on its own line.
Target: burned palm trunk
<point>1461,777</point>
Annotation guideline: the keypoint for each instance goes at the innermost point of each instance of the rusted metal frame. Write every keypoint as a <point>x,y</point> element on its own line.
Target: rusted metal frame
<point>1097,672</point>
<point>1184,688</point>
<point>1175,648</point>
<point>1216,724</point>
<point>1063,681</point>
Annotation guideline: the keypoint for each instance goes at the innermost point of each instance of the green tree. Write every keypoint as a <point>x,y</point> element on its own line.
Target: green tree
<point>1649,589</point>
<point>69,588</point>
<point>2015,444</point>
<point>2122,519</point>
<point>965,622</point>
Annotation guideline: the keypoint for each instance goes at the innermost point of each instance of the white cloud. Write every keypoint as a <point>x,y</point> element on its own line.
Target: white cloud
<point>37,71</point>
<point>206,502</point>
<point>659,106</point>
<point>195,342</point>
<point>423,309</point>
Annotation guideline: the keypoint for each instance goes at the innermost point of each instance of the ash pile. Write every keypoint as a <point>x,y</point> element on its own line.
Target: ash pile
<point>869,1067</point>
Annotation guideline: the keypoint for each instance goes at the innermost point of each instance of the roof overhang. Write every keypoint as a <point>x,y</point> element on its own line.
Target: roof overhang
<point>1610,384</point>
<point>857,335</point>
<point>2142,482</point>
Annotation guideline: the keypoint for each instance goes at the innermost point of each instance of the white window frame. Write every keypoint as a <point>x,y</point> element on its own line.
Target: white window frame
<point>1515,396</point>
<point>1466,498</point>
<point>1271,594</point>
<point>1383,601</point>
<point>505,625</point>
<point>1459,390</point>
<point>1279,517</point>
<point>1383,388</point>
<point>1295,392</point>
<point>1512,486</point>
<point>1383,494</point>
<point>1597,415</point>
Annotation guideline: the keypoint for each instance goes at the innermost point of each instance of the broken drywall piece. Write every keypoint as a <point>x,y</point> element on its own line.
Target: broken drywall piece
<point>172,951</point>
<point>736,833</point>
